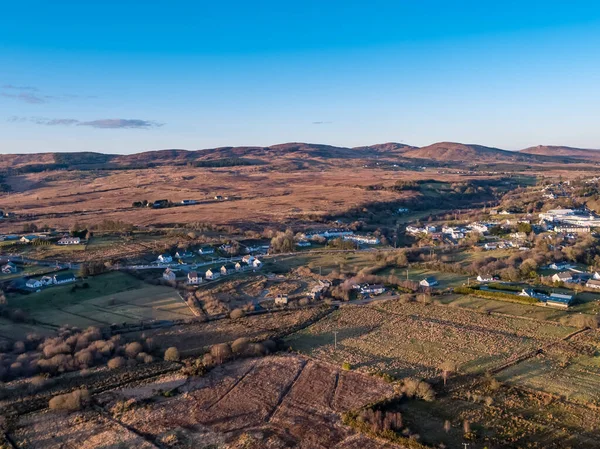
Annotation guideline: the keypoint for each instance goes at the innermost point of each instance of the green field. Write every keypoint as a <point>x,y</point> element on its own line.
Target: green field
<point>110,298</point>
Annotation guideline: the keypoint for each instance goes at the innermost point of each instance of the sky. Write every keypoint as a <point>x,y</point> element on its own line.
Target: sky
<point>129,76</point>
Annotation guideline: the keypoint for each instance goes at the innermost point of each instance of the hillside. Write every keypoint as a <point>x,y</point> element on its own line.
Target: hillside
<point>554,151</point>
<point>469,153</point>
<point>296,155</point>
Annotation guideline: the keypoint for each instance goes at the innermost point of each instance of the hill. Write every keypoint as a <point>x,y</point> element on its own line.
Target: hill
<point>452,151</point>
<point>554,151</point>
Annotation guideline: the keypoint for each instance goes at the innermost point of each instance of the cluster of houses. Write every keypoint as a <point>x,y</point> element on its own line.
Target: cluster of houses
<point>194,278</point>
<point>46,281</point>
<point>182,254</point>
<point>30,238</point>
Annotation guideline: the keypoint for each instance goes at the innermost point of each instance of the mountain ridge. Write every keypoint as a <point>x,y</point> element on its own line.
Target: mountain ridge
<point>300,151</point>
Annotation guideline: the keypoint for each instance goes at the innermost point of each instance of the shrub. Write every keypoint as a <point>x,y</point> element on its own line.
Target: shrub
<point>236,314</point>
<point>172,354</point>
<point>240,345</point>
<point>220,352</point>
<point>346,366</point>
<point>133,349</point>
<point>116,362</point>
<point>73,401</point>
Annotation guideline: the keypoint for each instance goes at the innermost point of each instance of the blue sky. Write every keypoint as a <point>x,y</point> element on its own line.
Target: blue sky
<point>124,76</point>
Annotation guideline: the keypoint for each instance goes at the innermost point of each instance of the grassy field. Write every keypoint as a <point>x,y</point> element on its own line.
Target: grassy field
<point>570,370</point>
<point>415,339</point>
<point>110,298</point>
<point>322,262</point>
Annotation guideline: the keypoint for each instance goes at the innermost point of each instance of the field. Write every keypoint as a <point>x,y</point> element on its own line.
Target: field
<point>271,402</point>
<point>415,339</point>
<point>570,370</point>
<point>193,339</point>
<point>272,197</point>
<point>110,298</point>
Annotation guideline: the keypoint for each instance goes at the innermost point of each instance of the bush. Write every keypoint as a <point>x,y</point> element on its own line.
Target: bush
<point>240,345</point>
<point>133,349</point>
<point>76,400</point>
<point>172,354</point>
<point>220,352</point>
<point>346,366</point>
<point>116,362</point>
<point>236,314</point>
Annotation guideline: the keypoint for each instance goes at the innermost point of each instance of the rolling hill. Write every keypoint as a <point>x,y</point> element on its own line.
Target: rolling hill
<point>554,151</point>
<point>297,154</point>
<point>468,153</point>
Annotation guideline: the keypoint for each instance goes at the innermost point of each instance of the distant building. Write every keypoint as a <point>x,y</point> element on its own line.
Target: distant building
<point>429,282</point>
<point>69,241</point>
<point>63,278</point>
<point>281,299</point>
<point>256,263</point>
<point>206,250</point>
<point>376,289</point>
<point>47,280</point>
<point>228,268</point>
<point>183,255</point>
<point>485,278</point>
<point>193,278</point>
<point>303,243</point>
<point>559,300</point>
<point>559,266</point>
<point>212,274</point>
<point>165,258</point>
<point>169,275</point>
<point>593,283</point>
<point>33,284</point>
<point>9,268</point>
<point>188,202</point>
<point>564,276</point>
<point>29,238</point>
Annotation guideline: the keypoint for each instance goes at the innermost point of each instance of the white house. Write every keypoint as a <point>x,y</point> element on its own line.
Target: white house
<point>212,274</point>
<point>490,246</point>
<point>248,259</point>
<point>63,278</point>
<point>69,241</point>
<point>165,258</point>
<point>485,278</point>
<point>593,283</point>
<point>47,280</point>
<point>169,275</point>
<point>429,282</point>
<point>376,289</point>
<point>193,278</point>
<point>256,263</point>
<point>33,284</point>
<point>559,266</point>
<point>563,276</point>
<point>29,238</point>
<point>228,268</point>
